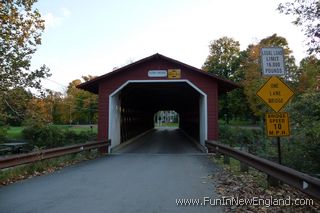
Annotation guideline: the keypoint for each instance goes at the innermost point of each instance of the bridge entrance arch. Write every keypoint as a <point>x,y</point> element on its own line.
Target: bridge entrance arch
<point>130,96</point>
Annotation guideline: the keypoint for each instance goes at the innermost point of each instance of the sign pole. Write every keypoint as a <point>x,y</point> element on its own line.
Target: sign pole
<point>279,150</point>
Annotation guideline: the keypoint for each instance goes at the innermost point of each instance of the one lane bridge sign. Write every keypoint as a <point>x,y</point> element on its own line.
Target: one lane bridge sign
<point>277,124</point>
<point>275,93</point>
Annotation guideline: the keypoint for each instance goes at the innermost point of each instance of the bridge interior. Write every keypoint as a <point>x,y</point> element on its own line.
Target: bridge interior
<point>134,106</point>
<point>161,140</point>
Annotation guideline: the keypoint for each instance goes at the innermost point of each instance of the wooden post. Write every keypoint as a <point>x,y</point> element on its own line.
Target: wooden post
<point>226,159</point>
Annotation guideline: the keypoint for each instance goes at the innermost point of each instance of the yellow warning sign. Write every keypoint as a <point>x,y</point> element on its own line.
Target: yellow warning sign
<point>277,124</point>
<point>275,93</point>
<point>174,73</point>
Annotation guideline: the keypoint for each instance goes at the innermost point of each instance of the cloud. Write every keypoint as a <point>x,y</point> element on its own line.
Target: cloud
<point>53,21</point>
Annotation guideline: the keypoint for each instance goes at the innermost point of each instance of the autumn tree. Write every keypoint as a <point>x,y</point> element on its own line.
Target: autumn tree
<point>253,79</point>
<point>307,16</point>
<point>21,29</point>
<point>309,79</point>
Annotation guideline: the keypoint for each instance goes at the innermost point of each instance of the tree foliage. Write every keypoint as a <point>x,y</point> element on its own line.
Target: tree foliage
<point>309,79</point>
<point>223,59</point>
<point>20,34</point>
<point>305,121</point>
<point>83,105</point>
<point>21,28</point>
<point>74,107</point>
<point>251,67</point>
<point>307,16</point>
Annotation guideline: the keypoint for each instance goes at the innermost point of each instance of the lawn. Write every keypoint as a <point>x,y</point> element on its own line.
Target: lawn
<point>16,132</point>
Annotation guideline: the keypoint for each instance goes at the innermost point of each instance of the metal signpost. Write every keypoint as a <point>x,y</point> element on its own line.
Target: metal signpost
<point>275,93</point>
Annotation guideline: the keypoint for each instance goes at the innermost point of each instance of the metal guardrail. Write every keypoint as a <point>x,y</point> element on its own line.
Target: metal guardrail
<point>299,180</point>
<point>31,157</point>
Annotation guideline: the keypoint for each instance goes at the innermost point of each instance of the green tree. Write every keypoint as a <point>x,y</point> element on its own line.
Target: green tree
<point>83,106</point>
<point>305,125</point>
<point>21,28</point>
<point>223,59</point>
<point>16,106</point>
<point>307,16</point>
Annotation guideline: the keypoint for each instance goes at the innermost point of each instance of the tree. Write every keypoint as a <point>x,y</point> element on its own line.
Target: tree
<point>223,59</point>
<point>16,106</point>
<point>309,79</point>
<point>82,104</point>
<point>252,70</point>
<point>21,28</point>
<point>305,121</point>
<point>307,16</point>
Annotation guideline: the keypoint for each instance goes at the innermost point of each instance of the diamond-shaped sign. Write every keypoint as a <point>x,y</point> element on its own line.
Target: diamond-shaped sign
<point>275,93</point>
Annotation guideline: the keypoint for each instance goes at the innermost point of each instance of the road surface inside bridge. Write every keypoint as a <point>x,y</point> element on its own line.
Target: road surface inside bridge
<point>147,176</point>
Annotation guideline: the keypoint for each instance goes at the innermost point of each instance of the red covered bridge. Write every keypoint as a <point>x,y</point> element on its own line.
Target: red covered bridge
<point>130,96</point>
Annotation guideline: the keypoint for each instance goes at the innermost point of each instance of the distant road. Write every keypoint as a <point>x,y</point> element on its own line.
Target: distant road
<point>147,176</point>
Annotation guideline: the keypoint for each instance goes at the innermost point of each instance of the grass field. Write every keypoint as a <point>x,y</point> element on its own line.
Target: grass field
<point>16,132</point>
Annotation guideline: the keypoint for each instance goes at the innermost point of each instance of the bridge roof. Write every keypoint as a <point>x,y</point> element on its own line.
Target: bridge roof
<point>93,85</point>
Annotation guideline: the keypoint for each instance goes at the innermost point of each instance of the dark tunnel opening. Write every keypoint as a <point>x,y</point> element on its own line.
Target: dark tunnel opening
<point>139,102</point>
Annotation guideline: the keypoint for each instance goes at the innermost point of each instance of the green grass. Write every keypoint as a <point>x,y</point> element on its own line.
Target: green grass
<point>16,132</point>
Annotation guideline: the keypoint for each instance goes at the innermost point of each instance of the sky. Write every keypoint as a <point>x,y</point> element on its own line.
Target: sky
<point>93,37</point>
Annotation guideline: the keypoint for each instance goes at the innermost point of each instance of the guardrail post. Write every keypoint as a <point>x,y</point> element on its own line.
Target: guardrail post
<point>277,174</point>
<point>226,159</point>
<point>244,167</point>
<point>273,181</point>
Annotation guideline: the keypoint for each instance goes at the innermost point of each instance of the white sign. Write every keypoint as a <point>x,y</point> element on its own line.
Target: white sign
<point>157,73</point>
<point>272,61</point>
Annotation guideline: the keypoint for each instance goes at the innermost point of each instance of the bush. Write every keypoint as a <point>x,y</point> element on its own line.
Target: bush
<point>302,151</point>
<point>242,137</point>
<point>44,136</point>
<point>51,136</point>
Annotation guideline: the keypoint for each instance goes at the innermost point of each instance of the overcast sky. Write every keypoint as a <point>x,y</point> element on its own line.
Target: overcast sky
<point>92,37</point>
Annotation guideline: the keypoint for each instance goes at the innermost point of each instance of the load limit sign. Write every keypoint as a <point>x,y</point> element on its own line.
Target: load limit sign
<point>272,61</point>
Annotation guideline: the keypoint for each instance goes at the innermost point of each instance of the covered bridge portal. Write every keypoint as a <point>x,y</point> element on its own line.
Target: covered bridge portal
<point>130,96</point>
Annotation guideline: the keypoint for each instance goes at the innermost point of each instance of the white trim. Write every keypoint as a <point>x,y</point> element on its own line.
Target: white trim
<point>158,81</point>
<point>162,81</point>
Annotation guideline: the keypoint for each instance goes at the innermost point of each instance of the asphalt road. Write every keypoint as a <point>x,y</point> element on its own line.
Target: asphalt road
<point>147,176</point>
